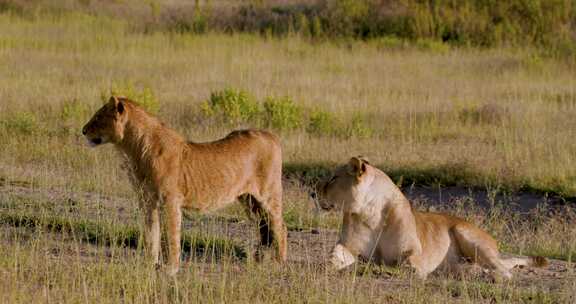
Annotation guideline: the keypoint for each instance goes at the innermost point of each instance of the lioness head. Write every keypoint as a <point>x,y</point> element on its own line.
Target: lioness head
<point>345,185</point>
<point>107,124</point>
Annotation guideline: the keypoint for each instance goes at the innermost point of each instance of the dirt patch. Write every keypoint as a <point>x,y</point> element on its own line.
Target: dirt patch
<point>519,201</point>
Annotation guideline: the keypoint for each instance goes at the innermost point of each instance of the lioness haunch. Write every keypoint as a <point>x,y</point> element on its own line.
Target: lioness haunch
<point>174,173</point>
<point>380,224</point>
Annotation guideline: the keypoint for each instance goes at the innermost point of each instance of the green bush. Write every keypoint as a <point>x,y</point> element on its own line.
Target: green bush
<point>321,123</point>
<point>234,107</point>
<point>389,43</point>
<point>435,46</point>
<point>21,122</point>
<point>144,97</point>
<point>231,106</point>
<point>282,114</point>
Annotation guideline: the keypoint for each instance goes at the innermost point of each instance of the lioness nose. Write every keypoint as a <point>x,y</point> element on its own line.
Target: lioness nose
<point>84,131</point>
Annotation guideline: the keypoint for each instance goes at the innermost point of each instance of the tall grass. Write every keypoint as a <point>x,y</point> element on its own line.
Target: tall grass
<point>505,115</point>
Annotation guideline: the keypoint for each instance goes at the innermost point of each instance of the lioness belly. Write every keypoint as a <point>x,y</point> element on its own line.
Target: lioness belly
<point>208,205</point>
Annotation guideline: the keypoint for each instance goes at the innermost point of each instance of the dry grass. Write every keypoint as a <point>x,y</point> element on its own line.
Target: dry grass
<point>76,247</point>
<point>504,117</point>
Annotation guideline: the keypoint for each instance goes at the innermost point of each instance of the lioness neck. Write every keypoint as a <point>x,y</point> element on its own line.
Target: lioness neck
<point>145,137</point>
<point>390,199</point>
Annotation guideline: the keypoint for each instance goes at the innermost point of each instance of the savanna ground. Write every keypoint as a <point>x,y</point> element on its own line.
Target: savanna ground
<point>486,134</point>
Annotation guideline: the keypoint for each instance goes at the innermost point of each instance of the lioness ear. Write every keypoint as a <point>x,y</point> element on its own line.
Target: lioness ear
<point>119,105</point>
<point>364,159</point>
<point>356,166</point>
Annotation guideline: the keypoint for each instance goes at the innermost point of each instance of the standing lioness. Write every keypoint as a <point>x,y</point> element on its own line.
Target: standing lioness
<point>380,224</point>
<point>174,173</point>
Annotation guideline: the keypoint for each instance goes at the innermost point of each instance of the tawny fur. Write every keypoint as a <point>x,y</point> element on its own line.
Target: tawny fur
<point>174,174</point>
<point>379,224</point>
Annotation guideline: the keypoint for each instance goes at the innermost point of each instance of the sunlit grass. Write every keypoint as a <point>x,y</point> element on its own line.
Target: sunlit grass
<point>499,115</point>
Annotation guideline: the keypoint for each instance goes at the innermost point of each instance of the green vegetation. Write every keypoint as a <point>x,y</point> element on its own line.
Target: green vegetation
<point>427,22</point>
<point>144,97</point>
<point>233,107</point>
<point>24,123</point>
<point>545,24</point>
<point>321,122</point>
<point>282,113</point>
<point>236,108</point>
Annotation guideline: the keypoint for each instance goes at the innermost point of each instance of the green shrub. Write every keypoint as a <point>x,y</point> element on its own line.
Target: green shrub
<point>432,45</point>
<point>282,114</point>
<point>321,123</point>
<point>358,127</point>
<point>234,107</point>
<point>231,106</point>
<point>388,43</point>
<point>21,122</point>
<point>144,97</point>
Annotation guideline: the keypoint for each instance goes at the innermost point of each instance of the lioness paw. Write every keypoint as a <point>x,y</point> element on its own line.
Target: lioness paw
<point>342,257</point>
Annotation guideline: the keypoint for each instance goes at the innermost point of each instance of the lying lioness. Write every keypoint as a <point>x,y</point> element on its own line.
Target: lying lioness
<point>176,174</point>
<point>380,225</point>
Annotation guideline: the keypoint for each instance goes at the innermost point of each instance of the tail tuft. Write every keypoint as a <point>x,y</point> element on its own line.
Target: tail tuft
<point>538,261</point>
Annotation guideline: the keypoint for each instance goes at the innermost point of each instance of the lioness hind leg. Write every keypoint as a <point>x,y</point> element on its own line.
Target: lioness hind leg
<point>272,210</point>
<point>255,211</point>
<point>480,247</point>
<point>279,232</point>
<point>271,228</point>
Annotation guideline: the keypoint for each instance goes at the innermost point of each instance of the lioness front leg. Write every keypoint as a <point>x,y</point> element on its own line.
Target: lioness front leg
<point>173,212</point>
<point>152,233</point>
<point>354,239</point>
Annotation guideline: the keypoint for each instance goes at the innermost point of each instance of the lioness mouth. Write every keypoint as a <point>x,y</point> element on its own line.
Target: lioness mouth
<point>96,141</point>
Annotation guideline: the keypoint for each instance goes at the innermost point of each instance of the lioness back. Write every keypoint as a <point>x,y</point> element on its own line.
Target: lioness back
<point>245,161</point>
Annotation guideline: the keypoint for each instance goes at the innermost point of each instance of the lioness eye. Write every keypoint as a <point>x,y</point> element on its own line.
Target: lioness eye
<point>332,179</point>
